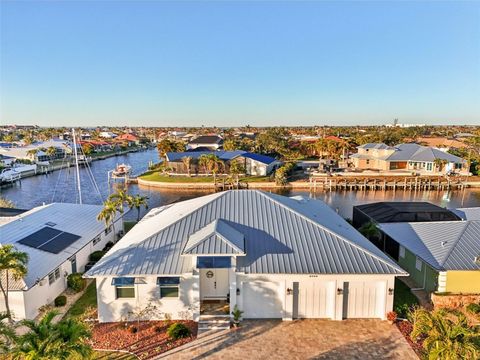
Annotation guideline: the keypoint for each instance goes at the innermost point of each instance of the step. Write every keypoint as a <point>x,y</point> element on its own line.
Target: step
<point>213,316</point>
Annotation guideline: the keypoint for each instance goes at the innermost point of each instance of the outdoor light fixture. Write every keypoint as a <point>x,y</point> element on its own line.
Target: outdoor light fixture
<point>238,291</point>
<point>289,291</point>
<point>339,291</point>
<point>390,291</point>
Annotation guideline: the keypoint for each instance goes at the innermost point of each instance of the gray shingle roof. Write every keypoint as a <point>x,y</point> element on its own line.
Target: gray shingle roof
<point>446,245</point>
<point>282,235</point>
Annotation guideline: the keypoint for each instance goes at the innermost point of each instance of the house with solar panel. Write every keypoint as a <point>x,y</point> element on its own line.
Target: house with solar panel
<point>271,256</point>
<point>440,248</point>
<point>58,239</point>
<point>254,164</point>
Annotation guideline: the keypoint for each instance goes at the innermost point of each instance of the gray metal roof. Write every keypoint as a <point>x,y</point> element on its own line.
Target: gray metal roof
<point>415,152</point>
<point>78,219</point>
<point>378,146</point>
<point>282,236</point>
<point>446,245</point>
<point>472,213</point>
<point>216,238</point>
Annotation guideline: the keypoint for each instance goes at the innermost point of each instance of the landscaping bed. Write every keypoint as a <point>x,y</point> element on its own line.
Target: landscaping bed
<point>148,341</point>
<point>406,328</point>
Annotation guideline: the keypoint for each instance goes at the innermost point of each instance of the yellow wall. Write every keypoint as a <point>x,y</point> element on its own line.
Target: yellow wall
<point>463,281</point>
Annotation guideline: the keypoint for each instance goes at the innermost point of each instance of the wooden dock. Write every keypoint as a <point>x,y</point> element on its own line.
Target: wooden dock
<point>388,183</point>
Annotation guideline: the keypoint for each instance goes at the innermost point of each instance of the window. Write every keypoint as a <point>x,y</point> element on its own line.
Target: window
<point>168,286</point>
<point>210,262</point>
<point>108,230</point>
<point>368,161</point>
<point>53,276</point>
<point>97,239</point>
<point>429,166</point>
<point>124,287</point>
<point>402,252</point>
<point>418,263</point>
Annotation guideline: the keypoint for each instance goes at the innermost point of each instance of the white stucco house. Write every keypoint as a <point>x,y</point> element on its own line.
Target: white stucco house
<point>272,256</point>
<point>58,239</point>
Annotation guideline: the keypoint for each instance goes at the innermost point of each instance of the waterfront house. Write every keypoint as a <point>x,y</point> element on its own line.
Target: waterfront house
<point>254,164</point>
<point>416,158</point>
<point>271,255</point>
<point>440,248</point>
<point>37,152</point>
<point>210,142</point>
<point>130,139</point>
<point>58,239</point>
<point>6,161</point>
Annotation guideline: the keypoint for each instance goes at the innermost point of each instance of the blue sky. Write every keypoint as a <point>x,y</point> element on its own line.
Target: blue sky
<point>229,63</point>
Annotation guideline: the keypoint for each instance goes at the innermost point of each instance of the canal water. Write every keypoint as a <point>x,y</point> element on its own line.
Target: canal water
<point>59,186</point>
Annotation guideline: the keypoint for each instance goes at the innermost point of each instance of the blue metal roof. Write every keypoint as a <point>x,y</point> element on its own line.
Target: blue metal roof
<point>260,158</point>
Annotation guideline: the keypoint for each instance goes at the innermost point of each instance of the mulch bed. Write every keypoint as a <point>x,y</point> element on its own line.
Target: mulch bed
<point>406,328</point>
<point>150,340</point>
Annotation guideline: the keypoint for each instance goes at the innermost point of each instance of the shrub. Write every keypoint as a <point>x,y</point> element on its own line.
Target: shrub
<point>60,301</point>
<point>473,308</point>
<point>392,316</point>
<point>76,282</point>
<point>178,331</point>
<point>96,255</point>
<point>108,246</point>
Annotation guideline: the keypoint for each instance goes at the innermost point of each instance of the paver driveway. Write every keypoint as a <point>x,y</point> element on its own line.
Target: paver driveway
<point>301,339</point>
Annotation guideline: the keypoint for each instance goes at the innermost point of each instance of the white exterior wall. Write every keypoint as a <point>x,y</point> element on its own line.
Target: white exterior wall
<point>25,304</point>
<point>187,305</point>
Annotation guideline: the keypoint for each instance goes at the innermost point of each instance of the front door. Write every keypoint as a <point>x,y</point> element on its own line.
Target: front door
<point>214,283</point>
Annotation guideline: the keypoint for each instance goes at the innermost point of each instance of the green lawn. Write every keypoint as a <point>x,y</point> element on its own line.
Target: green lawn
<point>88,299</point>
<point>156,176</point>
<point>403,298</point>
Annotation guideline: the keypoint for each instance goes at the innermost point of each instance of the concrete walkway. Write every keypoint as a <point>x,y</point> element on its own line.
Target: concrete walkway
<point>300,339</point>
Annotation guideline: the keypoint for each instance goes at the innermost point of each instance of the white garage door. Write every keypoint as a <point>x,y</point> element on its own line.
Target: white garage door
<point>316,299</point>
<point>261,300</point>
<point>365,299</point>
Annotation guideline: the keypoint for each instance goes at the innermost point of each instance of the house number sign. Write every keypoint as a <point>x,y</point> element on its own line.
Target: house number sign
<point>209,274</point>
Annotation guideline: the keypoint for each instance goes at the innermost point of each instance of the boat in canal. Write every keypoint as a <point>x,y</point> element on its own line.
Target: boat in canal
<point>122,170</point>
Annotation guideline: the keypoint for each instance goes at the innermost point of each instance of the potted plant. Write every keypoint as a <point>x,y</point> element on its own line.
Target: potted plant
<point>391,317</point>
<point>237,315</point>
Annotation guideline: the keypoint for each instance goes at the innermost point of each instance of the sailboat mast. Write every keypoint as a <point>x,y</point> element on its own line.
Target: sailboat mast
<point>79,188</point>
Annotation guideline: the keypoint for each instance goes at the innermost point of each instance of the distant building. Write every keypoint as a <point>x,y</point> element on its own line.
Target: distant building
<point>6,161</point>
<point>411,157</point>
<point>107,135</point>
<point>37,152</point>
<point>212,142</point>
<point>58,239</point>
<point>131,139</point>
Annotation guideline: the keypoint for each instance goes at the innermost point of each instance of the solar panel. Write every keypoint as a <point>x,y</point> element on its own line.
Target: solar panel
<point>60,242</point>
<point>50,240</point>
<point>40,237</point>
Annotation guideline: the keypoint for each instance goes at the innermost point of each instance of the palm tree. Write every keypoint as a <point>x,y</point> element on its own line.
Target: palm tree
<point>119,199</point>
<point>13,263</point>
<point>187,161</point>
<point>203,161</point>
<point>51,151</point>
<point>32,153</point>
<point>440,163</point>
<point>369,230</point>
<point>108,213</point>
<point>47,340</point>
<point>7,334</point>
<point>214,163</point>
<point>137,201</point>
<point>446,334</point>
<point>236,168</point>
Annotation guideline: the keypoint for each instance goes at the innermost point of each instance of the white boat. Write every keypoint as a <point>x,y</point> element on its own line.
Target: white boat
<point>121,170</point>
<point>9,175</point>
<point>17,172</point>
<point>84,160</point>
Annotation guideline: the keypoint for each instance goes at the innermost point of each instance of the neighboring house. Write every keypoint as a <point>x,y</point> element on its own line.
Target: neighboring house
<point>442,143</point>
<point>107,135</point>
<point>62,148</point>
<point>58,239</point>
<point>6,161</point>
<point>254,164</point>
<point>439,249</point>
<point>212,142</point>
<point>130,139</point>
<point>410,157</point>
<point>440,256</point>
<point>271,255</point>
